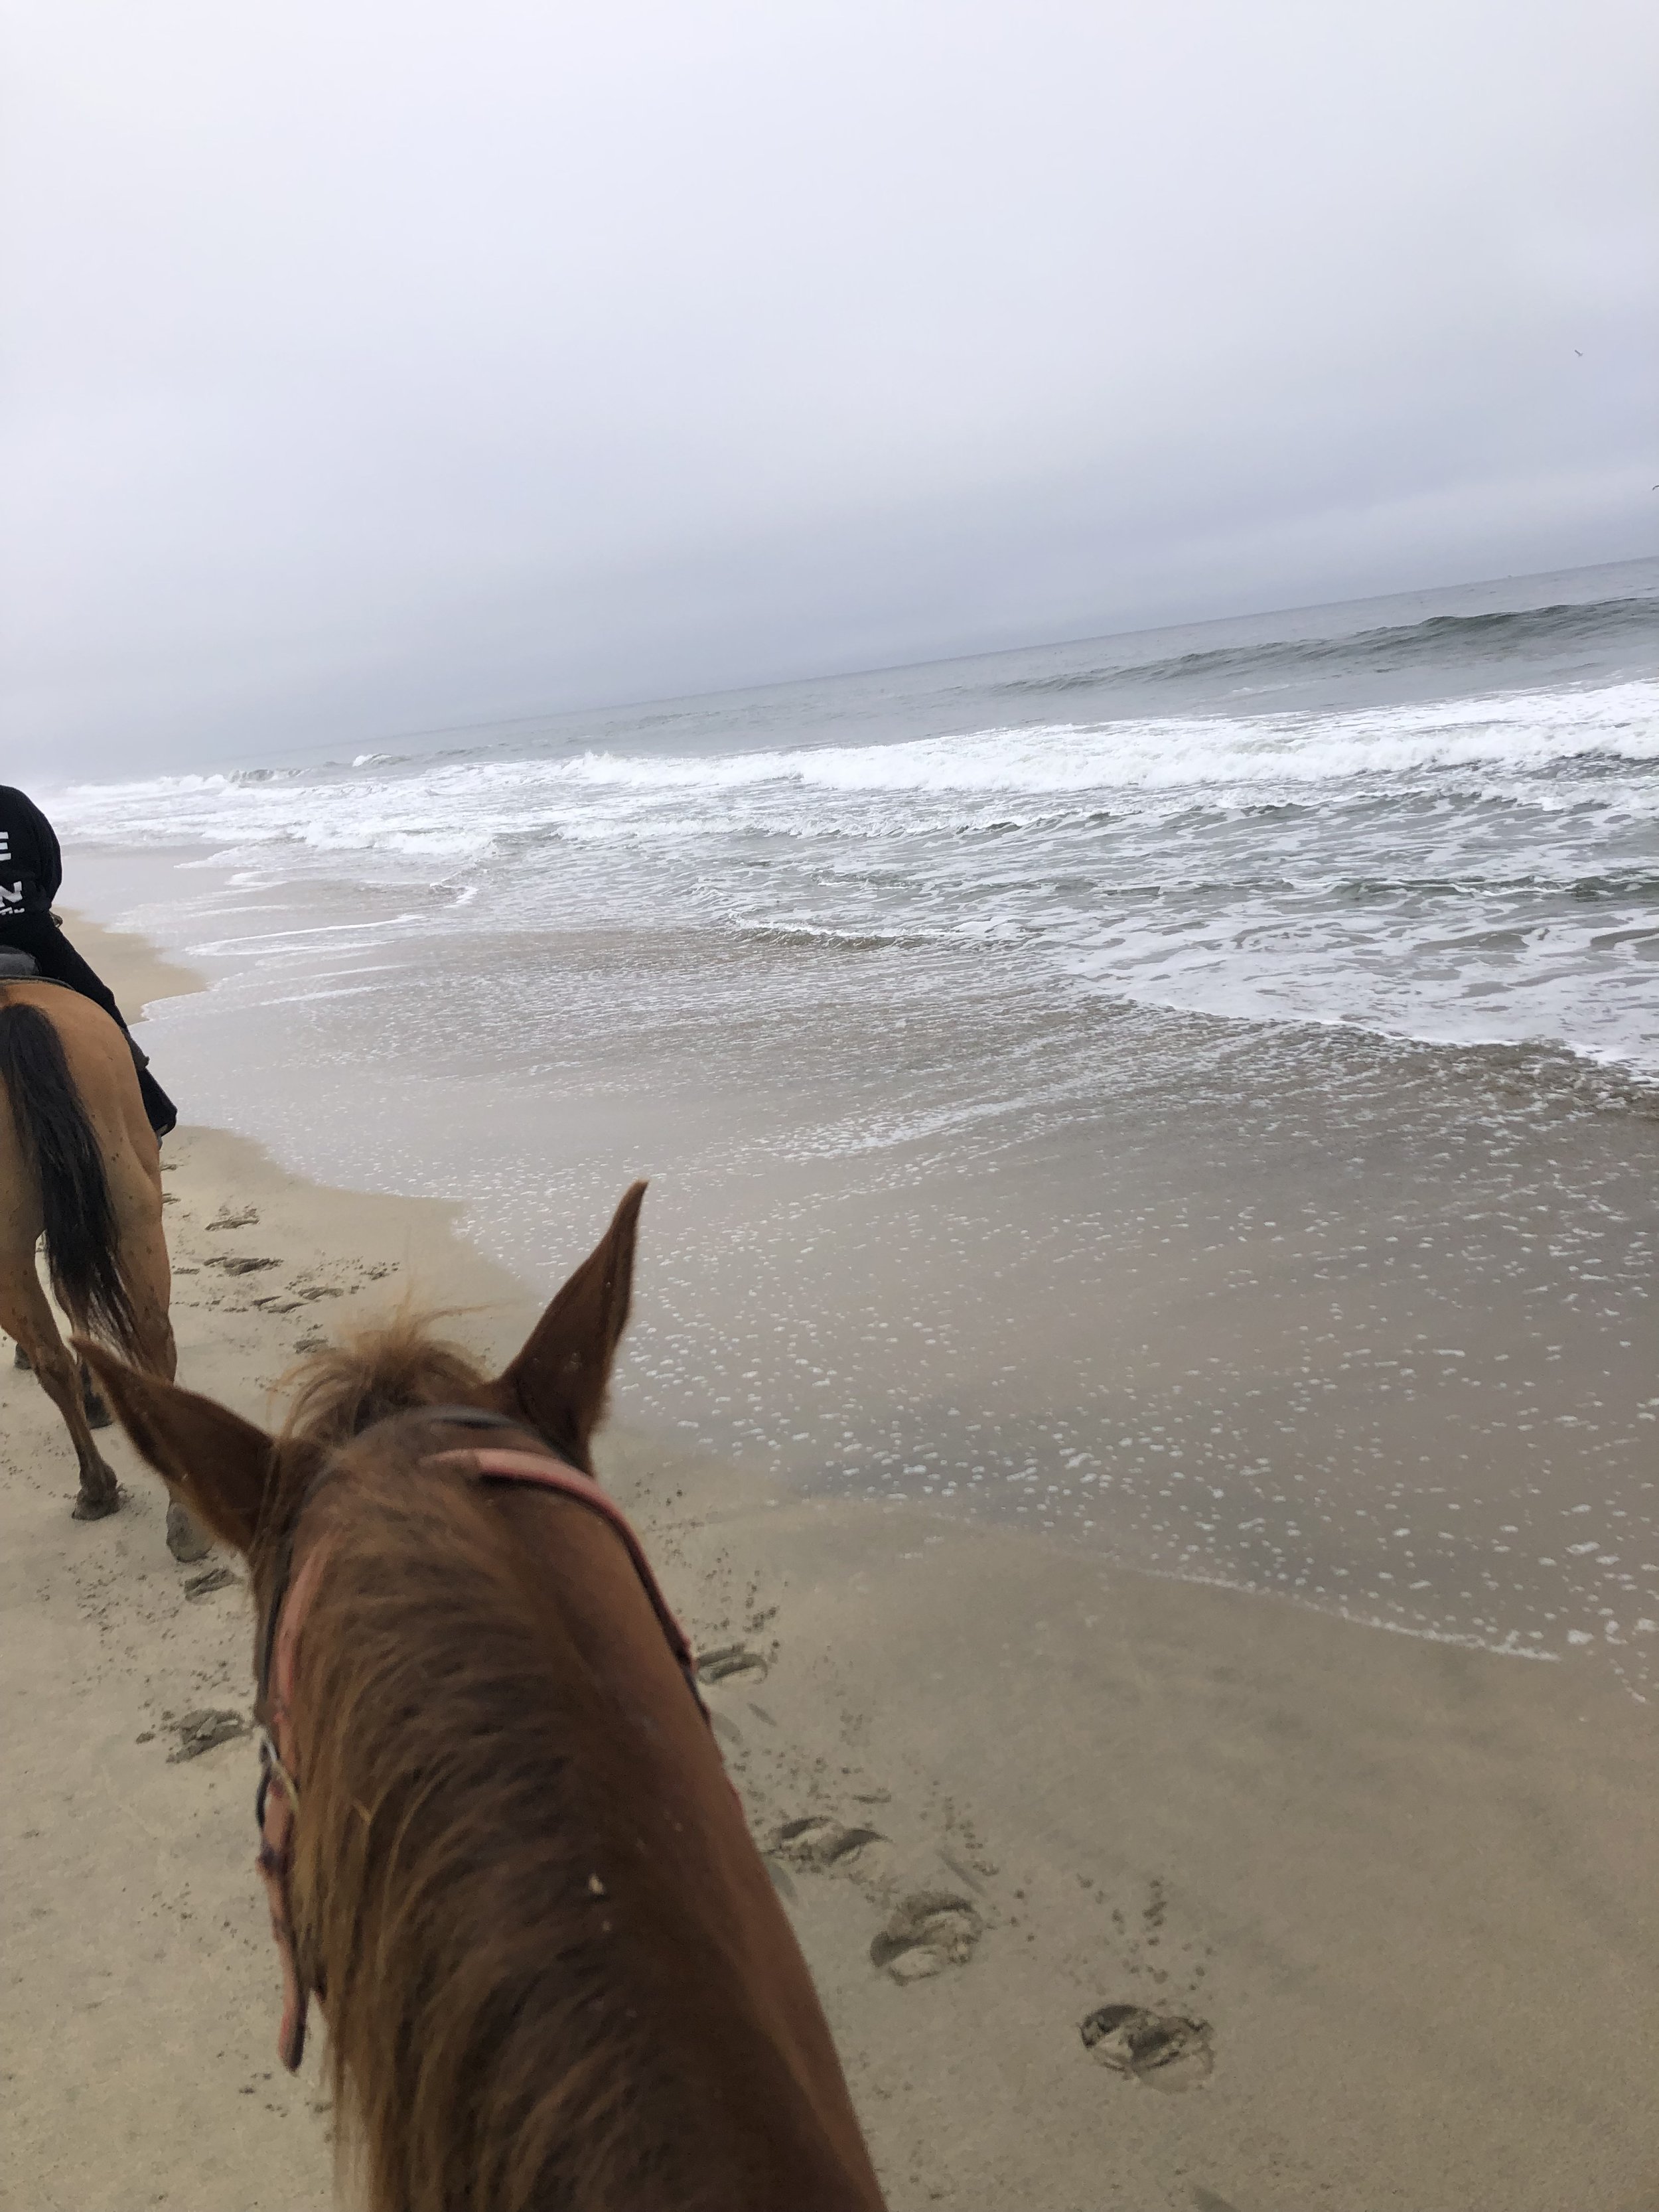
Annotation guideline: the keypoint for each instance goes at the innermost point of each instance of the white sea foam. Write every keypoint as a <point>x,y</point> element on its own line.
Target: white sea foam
<point>1517,735</point>
<point>456,805</point>
<point>1473,870</point>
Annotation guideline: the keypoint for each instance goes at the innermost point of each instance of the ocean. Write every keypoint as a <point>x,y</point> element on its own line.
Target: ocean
<point>1196,1093</point>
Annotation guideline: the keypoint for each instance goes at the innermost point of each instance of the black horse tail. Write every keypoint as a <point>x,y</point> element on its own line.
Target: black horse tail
<point>61,1146</point>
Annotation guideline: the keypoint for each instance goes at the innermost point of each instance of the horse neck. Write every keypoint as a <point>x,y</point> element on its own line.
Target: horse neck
<point>555,1969</point>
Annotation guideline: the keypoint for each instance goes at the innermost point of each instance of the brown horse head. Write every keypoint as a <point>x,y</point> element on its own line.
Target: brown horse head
<point>553,1968</point>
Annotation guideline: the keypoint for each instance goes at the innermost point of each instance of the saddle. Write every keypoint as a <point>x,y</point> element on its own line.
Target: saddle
<point>17,967</point>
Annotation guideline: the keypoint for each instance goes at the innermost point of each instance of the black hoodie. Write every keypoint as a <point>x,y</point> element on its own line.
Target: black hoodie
<point>31,865</point>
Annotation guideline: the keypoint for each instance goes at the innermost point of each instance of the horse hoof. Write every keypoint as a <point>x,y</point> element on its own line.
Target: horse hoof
<point>184,1539</point>
<point>97,1507</point>
<point>20,1359</point>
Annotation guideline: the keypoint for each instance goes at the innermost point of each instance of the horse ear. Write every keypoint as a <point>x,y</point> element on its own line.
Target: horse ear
<point>557,1383</point>
<point>213,1462</point>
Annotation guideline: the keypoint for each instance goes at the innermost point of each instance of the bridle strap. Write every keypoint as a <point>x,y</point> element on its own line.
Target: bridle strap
<point>277,1806</point>
<point>540,1471</point>
<point>458,1417</point>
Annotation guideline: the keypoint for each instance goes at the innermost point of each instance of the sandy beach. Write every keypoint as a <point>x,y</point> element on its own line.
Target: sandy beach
<point>1404,1891</point>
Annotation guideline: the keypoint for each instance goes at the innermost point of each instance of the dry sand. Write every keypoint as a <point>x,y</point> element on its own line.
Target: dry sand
<point>1408,1889</point>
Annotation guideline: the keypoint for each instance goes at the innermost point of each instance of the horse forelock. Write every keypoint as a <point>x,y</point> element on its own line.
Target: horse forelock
<point>386,1369</point>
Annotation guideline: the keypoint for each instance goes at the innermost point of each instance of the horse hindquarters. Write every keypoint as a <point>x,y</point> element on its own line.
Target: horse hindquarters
<point>56,1184</point>
<point>60,1148</point>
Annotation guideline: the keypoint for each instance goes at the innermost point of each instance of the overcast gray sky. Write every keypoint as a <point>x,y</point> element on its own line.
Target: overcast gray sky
<point>370,367</point>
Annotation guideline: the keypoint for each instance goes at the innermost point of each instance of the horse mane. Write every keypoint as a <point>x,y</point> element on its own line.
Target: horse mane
<point>437,1893</point>
<point>516,1969</point>
<point>383,1369</point>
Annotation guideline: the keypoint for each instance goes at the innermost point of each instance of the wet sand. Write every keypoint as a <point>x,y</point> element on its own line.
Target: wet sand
<point>1404,1890</point>
<point>1296,1310</point>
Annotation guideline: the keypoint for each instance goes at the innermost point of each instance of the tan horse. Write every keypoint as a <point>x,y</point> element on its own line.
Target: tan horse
<point>501,1848</point>
<point>79,1165</point>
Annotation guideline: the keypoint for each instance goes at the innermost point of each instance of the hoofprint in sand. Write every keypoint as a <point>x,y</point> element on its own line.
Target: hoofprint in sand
<point>1384,1907</point>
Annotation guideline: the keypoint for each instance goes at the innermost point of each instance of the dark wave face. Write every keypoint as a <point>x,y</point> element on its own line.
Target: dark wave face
<point>1514,639</point>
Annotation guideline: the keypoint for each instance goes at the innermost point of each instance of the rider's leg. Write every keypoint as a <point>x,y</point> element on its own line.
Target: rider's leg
<point>39,935</point>
<point>159,1109</point>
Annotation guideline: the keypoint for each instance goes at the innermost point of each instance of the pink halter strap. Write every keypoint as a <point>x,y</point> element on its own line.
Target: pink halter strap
<point>538,1471</point>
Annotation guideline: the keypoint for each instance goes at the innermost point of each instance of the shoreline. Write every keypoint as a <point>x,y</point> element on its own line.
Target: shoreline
<point>1405,1887</point>
<point>1357,1323</point>
<point>138,972</point>
<point>144,975</point>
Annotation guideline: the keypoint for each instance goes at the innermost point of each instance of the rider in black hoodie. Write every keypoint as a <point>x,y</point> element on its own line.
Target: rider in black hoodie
<point>30,869</point>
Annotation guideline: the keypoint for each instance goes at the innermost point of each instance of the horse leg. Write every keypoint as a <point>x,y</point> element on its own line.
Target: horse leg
<point>24,1314</point>
<point>97,1414</point>
<point>149,1282</point>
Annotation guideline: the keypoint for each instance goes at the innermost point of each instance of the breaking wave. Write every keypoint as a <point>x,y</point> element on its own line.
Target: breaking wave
<point>1478,869</point>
